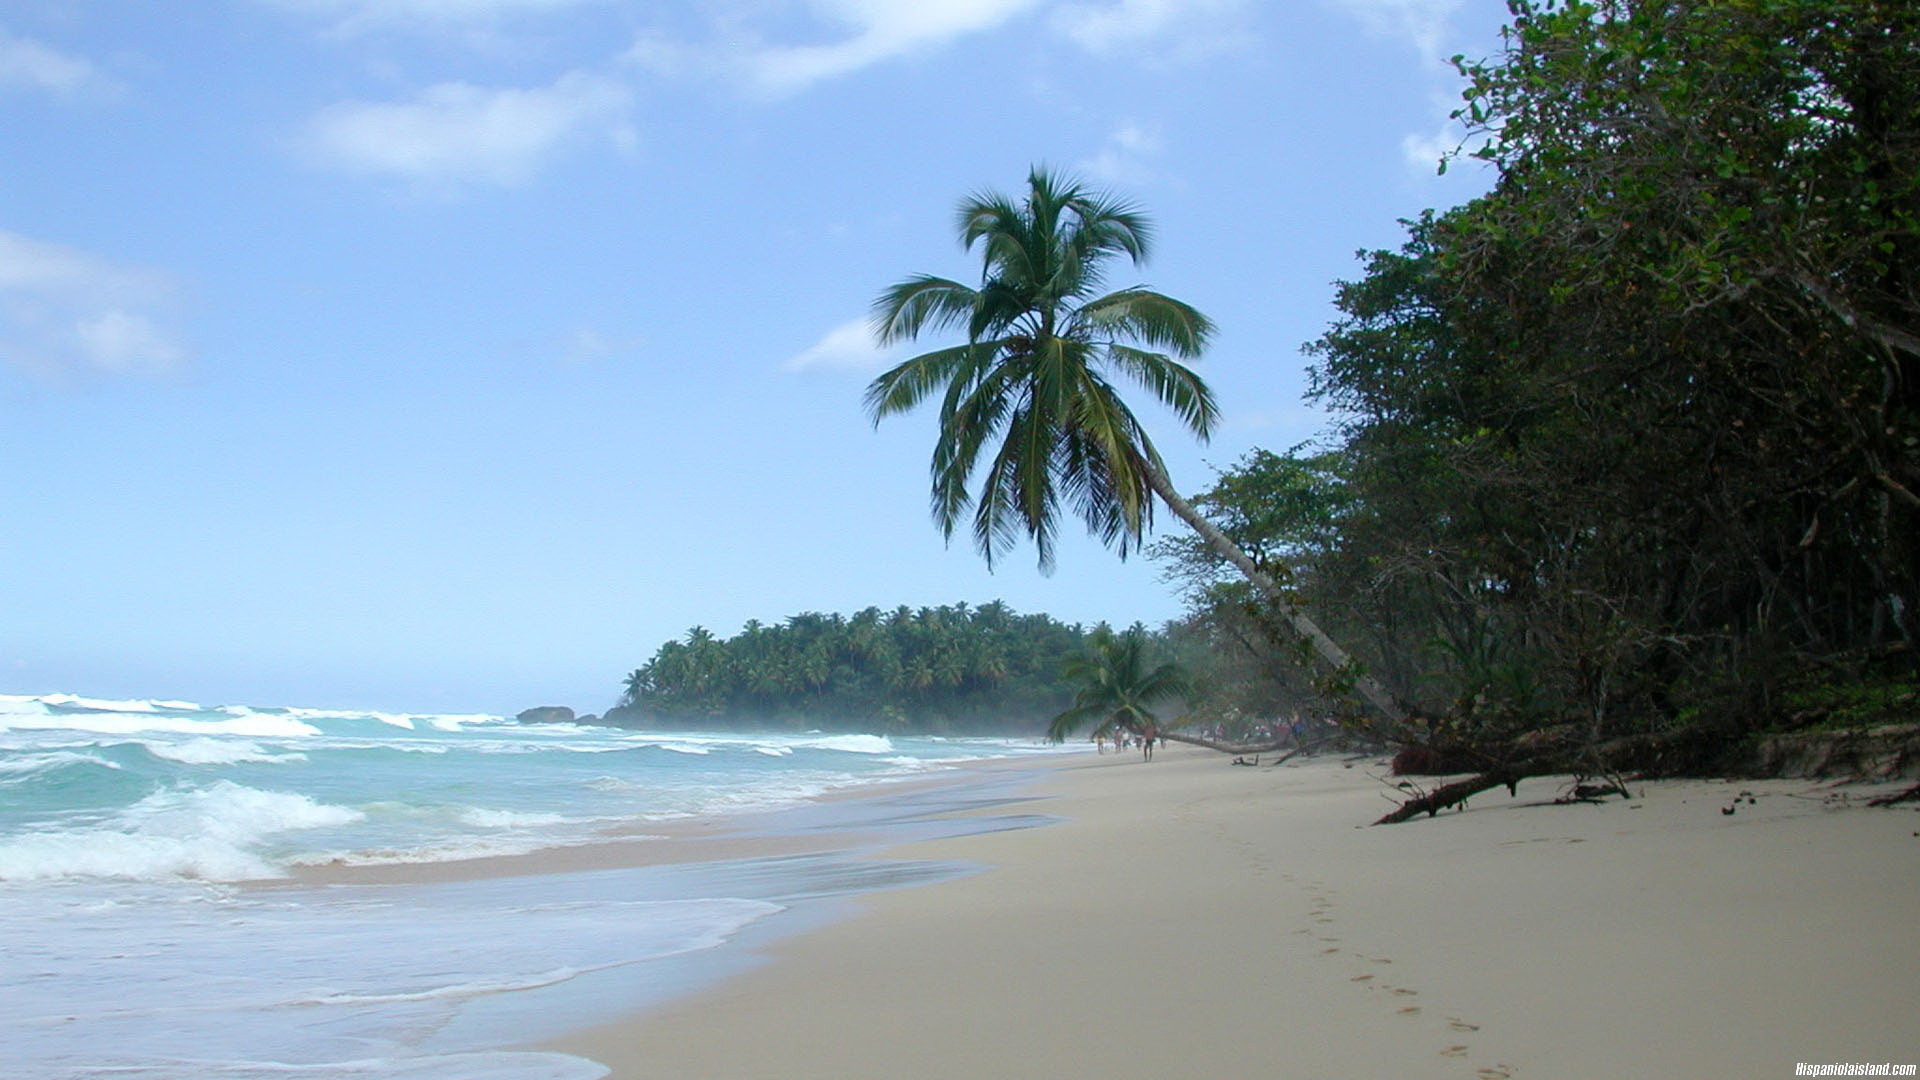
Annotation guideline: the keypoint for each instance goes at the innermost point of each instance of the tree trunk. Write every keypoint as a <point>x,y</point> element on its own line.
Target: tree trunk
<point>1330,653</point>
<point>1246,748</point>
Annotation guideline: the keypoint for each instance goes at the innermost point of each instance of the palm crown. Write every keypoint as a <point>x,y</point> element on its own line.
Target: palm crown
<point>1117,690</point>
<point>1034,376</point>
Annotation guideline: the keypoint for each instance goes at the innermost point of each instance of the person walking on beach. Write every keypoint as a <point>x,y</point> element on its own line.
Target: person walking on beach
<point>1147,738</point>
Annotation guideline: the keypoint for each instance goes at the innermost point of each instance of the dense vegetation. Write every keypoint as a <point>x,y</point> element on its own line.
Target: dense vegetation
<point>1633,441</point>
<point>946,669</point>
<point>1626,453</point>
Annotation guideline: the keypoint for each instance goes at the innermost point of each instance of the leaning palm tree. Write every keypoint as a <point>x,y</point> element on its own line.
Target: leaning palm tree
<point>1116,690</point>
<point>1033,381</point>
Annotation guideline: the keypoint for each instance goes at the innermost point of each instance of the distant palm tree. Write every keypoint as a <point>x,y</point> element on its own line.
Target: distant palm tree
<point>1032,378</point>
<point>1117,691</point>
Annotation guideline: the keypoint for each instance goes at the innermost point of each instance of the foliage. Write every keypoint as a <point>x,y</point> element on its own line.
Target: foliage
<point>1116,688</point>
<point>950,668</point>
<point>1637,434</point>
<point>1033,378</point>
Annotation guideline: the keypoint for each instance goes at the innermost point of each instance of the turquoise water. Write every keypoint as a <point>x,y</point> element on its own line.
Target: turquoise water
<point>133,951</point>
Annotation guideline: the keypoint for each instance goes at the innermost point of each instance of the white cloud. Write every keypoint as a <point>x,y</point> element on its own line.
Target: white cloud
<point>63,309</point>
<point>1423,152</point>
<point>862,33</point>
<point>1123,158</point>
<point>456,133</point>
<point>588,345</point>
<point>1171,29</point>
<point>353,15</point>
<point>1421,23</point>
<point>31,65</point>
<point>847,347</point>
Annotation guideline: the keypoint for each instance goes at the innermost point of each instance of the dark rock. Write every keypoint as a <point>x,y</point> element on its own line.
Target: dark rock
<point>546,714</point>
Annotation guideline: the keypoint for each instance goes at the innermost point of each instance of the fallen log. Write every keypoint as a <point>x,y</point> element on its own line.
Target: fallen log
<point>1668,752</point>
<point>1293,749</point>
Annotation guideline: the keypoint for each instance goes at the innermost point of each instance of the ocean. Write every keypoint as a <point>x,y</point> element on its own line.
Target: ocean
<point>151,927</point>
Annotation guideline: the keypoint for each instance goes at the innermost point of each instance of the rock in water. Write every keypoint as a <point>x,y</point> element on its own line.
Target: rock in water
<point>546,714</point>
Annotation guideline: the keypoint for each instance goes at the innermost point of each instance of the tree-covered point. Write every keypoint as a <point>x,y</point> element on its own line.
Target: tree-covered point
<point>955,668</point>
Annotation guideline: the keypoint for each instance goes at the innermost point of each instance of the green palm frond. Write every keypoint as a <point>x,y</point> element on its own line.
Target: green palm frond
<point>1028,382</point>
<point>1115,685</point>
<point>919,303</point>
<point>1154,320</point>
<point>1173,384</point>
<point>909,382</point>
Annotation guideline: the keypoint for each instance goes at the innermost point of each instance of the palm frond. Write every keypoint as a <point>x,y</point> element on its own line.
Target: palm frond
<point>1150,318</point>
<point>1174,384</point>
<point>908,383</point>
<point>921,302</point>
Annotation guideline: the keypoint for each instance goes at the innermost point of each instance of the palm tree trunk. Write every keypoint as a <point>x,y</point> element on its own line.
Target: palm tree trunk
<point>1288,744</point>
<point>1329,651</point>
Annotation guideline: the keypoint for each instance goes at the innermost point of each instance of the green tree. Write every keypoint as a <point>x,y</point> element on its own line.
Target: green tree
<point>1116,689</point>
<point>1033,383</point>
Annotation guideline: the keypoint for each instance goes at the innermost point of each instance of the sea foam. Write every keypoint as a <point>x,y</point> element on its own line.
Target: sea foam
<point>214,833</point>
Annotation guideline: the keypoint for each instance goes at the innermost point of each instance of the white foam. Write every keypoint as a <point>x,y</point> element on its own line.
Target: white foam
<point>490,1065</point>
<point>212,833</point>
<point>208,751</point>
<point>135,722</point>
<point>481,817</point>
<point>72,701</point>
<point>775,751</point>
<point>852,744</point>
<point>454,992</point>
<point>31,763</point>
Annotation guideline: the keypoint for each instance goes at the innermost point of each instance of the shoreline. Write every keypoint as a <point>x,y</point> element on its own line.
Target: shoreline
<point>1188,918</point>
<point>832,821</point>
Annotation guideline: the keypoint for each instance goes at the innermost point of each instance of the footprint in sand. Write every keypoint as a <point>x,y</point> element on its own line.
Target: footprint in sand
<point>1404,992</point>
<point>1411,1010</point>
<point>1494,1072</point>
<point>1462,1025</point>
<point>1455,1051</point>
<point>1360,978</point>
<point>1330,949</point>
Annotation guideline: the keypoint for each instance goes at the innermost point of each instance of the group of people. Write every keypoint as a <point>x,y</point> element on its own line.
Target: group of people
<point>1123,738</point>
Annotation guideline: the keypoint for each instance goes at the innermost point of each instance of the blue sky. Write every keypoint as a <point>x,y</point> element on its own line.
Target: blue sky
<point>452,354</point>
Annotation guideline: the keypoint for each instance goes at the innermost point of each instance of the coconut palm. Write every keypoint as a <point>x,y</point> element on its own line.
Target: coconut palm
<point>1117,691</point>
<point>1033,380</point>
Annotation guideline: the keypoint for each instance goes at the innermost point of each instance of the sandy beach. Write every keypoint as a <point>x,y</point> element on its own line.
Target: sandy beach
<point>1190,918</point>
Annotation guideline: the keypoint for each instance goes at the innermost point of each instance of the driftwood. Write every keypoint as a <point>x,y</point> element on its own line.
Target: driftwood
<point>1885,751</point>
<point>1556,753</point>
<point>1912,794</point>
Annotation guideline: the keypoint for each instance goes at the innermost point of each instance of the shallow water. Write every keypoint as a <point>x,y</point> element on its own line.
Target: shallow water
<point>132,951</point>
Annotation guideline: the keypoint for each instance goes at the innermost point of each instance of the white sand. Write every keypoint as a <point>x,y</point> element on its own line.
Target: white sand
<point>1193,919</point>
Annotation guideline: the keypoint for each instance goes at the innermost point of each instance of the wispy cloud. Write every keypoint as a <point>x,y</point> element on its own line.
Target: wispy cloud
<point>1124,157</point>
<point>1157,29</point>
<point>848,347</point>
<point>858,34</point>
<point>29,65</point>
<point>358,15</point>
<point>455,134</point>
<point>69,310</point>
<point>1421,23</point>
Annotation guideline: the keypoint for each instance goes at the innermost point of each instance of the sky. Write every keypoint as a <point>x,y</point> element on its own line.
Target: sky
<point>450,355</point>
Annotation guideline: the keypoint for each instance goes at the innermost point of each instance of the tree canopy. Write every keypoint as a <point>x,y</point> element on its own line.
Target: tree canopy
<point>1635,438</point>
<point>951,668</point>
